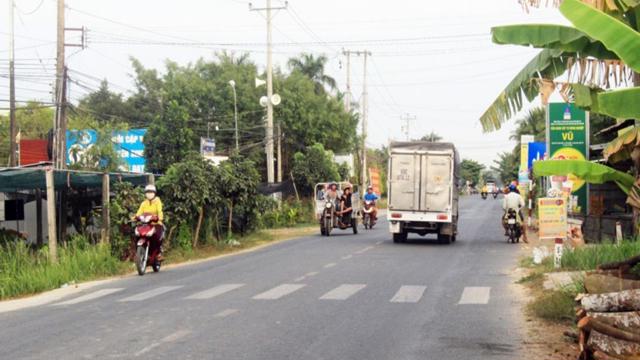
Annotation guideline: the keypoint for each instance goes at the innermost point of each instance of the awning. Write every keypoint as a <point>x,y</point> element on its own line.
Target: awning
<point>16,179</point>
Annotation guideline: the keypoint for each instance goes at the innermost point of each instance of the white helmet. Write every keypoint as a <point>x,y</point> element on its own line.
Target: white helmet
<point>150,188</point>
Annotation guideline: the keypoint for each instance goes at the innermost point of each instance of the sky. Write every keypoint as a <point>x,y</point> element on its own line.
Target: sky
<point>429,61</point>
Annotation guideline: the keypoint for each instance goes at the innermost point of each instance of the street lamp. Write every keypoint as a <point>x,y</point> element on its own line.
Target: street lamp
<point>235,110</point>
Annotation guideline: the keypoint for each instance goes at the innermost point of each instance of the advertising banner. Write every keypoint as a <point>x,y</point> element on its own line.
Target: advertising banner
<point>536,152</point>
<point>374,176</point>
<point>552,218</point>
<point>568,139</point>
<point>207,148</point>
<point>129,144</point>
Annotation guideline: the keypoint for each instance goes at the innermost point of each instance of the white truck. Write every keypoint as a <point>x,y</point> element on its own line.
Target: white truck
<point>423,190</point>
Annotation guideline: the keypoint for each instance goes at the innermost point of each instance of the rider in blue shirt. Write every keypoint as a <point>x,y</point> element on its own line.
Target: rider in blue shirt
<point>371,196</point>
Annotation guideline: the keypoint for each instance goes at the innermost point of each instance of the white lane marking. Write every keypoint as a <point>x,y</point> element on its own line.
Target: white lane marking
<point>94,295</point>
<point>279,291</point>
<point>408,294</point>
<point>168,339</point>
<point>347,257</point>
<point>225,313</point>
<point>214,291</point>
<point>313,273</point>
<point>478,295</point>
<point>151,293</point>
<point>361,251</point>
<point>379,242</point>
<point>309,274</point>
<point>298,279</point>
<point>343,292</point>
<point>330,265</point>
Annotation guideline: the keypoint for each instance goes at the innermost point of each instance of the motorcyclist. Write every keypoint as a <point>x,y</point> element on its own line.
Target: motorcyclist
<point>512,201</point>
<point>152,205</point>
<point>332,193</point>
<point>346,207</point>
<point>371,196</point>
<point>485,190</point>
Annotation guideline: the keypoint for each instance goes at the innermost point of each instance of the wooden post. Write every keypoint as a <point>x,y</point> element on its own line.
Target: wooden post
<point>151,179</point>
<point>51,216</point>
<point>106,226</point>
<point>39,238</point>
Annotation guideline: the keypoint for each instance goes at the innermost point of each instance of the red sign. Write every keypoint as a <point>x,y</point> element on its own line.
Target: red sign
<point>33,151</point>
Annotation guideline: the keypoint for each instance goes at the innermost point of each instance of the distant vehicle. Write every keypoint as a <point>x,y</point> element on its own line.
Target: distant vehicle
<point>491,187</point>
<point>423,190</point>
<point>327,211</point>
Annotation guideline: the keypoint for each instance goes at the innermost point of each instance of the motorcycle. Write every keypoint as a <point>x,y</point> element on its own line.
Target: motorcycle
<point>330,220</point>
<point>147,244</point>
<point>367,218</point>
<point>484,195</point>
<point>514,229</point>
<point>495,194</point>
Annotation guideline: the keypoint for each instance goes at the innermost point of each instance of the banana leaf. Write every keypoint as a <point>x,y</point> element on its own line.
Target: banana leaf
<point>620,148</point>
<point>586,97</point>
<point>588,171</point>
<point>548,36</point>
<point>613,33</point>
<point>623,104</point>
<point>548,64</point>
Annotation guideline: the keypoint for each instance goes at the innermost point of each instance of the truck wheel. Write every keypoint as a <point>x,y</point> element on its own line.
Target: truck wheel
<point>445,239</point>
<point>400,237</point>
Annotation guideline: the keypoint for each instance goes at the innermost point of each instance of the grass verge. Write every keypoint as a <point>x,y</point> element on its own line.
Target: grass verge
<point>24,271</point>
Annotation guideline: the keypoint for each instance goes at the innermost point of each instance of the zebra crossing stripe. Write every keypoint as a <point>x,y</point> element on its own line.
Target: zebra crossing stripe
<point>343,292</point>
<point>91,296</point>
<point>279,292</point>
<point>408,294</point>
<point>475,295</point>
<point>151,293</point>
<point>214,291</point>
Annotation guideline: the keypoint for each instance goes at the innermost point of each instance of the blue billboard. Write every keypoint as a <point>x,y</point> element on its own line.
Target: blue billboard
<point>129,144</point>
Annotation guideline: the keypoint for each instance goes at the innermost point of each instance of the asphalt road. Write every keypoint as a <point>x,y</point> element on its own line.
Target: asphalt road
<point>344,297</point>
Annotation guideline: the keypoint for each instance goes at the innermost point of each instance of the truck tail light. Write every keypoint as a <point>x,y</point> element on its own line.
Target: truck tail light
<point>396,216</point>
<point>443,217</point>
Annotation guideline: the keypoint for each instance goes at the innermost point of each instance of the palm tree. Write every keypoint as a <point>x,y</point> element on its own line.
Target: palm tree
<point>432,137</point>
<point>533,123</point>
<point>313,67</point>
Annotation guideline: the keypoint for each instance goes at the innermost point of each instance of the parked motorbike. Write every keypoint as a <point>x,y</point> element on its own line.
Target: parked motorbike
<point>484,195</point>
<point>367,212</point>
<point>514,229</point>
<point>147,244</point>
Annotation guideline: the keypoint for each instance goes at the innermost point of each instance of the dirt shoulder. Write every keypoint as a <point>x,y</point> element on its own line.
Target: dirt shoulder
<point>543,339</point>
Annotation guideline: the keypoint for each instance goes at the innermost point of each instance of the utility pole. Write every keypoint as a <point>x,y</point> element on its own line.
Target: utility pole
<point>269,131</point>
<point>12,92</point>
<point>407,118</point>
<point>365,114</point>
<point>347,53</point>
<point>59,136</point>
<point>279,135</point>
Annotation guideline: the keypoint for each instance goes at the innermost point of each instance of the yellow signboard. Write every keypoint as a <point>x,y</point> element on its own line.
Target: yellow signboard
<point>552,217</point>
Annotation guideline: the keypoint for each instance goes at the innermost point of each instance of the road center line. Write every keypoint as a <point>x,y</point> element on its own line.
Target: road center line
<point>313,273</point>
<point>347,257</point>
<point>361,251</point>
<point>475,295</point>
<point>168,339</point>
<point>379,242</point>
<point>329,265</point>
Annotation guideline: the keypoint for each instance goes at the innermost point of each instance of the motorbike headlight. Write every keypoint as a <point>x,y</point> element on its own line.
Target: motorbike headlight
<point>328,206</point>
<point>151,232</point>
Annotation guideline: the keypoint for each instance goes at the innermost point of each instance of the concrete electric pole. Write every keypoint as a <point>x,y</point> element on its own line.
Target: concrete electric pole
<point>269,148</point>
<point>59,137</point>
<point>407,118</point>
<point>12,92</point>
<point>347,53</point>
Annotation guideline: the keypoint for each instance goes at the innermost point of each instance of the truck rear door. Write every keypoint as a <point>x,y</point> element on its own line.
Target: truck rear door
<point>437,182</point>
<point>404,184</point>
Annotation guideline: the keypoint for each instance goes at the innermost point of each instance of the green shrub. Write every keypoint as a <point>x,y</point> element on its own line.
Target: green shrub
<point>557,305</point>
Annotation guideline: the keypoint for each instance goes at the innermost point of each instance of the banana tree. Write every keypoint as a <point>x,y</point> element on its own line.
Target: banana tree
<point>600,52</point>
